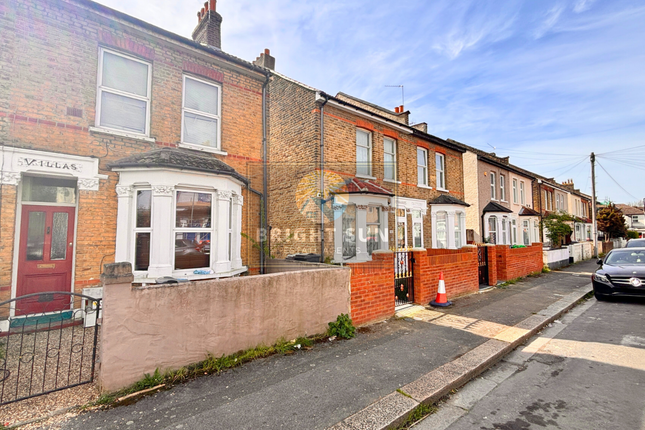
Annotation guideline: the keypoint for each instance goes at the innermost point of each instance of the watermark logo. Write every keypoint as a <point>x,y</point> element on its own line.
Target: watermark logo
<point>333,199</point>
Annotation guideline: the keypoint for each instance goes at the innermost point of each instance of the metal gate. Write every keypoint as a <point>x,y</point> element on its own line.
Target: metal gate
<point>482,261</point>
<point>48,351</point>
<point>403,278</point>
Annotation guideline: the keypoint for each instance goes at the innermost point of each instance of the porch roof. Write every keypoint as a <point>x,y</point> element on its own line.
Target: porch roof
<point>527,212</point>
<point>446,199</point>
<point>496,207</point>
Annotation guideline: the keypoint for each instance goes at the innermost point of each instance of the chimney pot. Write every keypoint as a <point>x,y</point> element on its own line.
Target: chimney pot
<point>206,6</point>
<point>267,52</point>
<point>265,60</point>
<point>396,109</point>
<point>401,109</point>
<point>208,30</point>
<point>213,3</point>
<point>202,11</point>
<point>199,17</point>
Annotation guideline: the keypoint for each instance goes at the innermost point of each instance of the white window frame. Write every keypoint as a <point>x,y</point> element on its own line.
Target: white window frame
<point>493,186</point>
<point>425,168</point>
<point>440,170</point>
<point>100,89</point>
<point>212,230</point>
<point>492,220</point>
<point>417,220</point>
<point>136,230</point>
<point>369,153</point>
<point>514,190</point>
<point>379,213</point>
<point>522,194</point>
<point>393,154</point>
<point>218,116</point>
<point>401,220</point>
<point>502,187</point>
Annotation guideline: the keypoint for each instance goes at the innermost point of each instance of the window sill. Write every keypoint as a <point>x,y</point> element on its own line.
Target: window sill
<point>141,278</point>
<point>424,186</point>
<point>391,181</point>
<point>202,148</point>
<point>443,190</point>
<point>102,130</point>
<point>365,176</point>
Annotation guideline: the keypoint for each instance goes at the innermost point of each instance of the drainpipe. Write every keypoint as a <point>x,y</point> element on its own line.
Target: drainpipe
<point>265,219</point>
<point>322,174</point>
<point>539,181</point>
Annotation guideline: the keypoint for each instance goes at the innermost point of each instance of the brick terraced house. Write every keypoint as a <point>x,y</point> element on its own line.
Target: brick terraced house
<point>501,198</point>
<point>385,184</point>
<point>122,141</point>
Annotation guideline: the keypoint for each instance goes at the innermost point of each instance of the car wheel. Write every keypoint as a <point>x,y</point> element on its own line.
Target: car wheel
<point>600,297</point>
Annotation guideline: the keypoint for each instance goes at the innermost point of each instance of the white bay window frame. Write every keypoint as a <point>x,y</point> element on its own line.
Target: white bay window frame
<point>102,89</point>
<point>225,229</point>
<point>455,217</point>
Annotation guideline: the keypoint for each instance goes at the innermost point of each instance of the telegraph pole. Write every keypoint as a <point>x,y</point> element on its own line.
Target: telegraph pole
<point>593,205</point>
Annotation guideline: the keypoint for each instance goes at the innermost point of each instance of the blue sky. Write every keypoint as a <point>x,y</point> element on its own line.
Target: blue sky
<point>546,82</point>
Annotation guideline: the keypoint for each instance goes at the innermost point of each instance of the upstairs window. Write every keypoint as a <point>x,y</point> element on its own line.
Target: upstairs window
<point>440,161</point>
<point>502,188</point>
<point>422,167</point>
<point>515,191</point>
<point>201,113</point>
<point>493,194</point>
<point>389,159</point>
<point>363,153</point>
<point>123,93</point>
<point>522,199</point>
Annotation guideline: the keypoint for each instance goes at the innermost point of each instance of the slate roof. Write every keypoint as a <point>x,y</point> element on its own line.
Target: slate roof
<point>496,207</point>
<point>446,199</point>
<point>360,186</point>
<point>174,158</point>
<point>527,212</point>
<point>629,210</point>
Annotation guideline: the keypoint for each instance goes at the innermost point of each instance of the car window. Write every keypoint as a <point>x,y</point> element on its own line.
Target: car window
<point>635,243</point>
<point>624,257</point>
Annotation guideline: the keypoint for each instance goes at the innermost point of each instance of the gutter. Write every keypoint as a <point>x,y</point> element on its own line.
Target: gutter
<point>324,96</point>
<point>265,207</point>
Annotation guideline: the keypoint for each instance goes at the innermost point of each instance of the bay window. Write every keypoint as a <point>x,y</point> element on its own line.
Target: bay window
<point>441,222</point>
<point>373,223</point>
<point>448,226</point>
<point>349,232</point>
<point>193,229</point>
<point>492,229</point>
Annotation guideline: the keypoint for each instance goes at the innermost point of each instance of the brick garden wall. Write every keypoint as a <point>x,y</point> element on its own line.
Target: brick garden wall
<point>372,289</point>
<point>49,63</point>
<point>459,269</point>
<point>517,262</point>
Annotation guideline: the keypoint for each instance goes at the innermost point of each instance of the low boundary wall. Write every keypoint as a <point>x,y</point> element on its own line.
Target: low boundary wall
<point>517,262</point>
<point>459,267</point>
<point>173,325</point>
<point>372,288</point>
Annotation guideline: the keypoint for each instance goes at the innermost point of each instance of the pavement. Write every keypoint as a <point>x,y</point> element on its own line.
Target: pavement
<point>584,371</point>
<point>352,384</point>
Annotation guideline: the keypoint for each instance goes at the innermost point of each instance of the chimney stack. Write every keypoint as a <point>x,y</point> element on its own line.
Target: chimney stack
<point>265,60</point>
<point>209,26</point>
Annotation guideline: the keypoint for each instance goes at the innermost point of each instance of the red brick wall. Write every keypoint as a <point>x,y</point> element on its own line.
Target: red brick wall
<point>459,269</point>
<point>372,289</point>
<point>517,262</point>
<point>492,265</point>
<point>49,63</point>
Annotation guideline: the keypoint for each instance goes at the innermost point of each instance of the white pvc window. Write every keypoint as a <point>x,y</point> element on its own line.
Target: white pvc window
<point>442,226</point>
<point>363,153</point>
<point>417,229</point>
<point>514,229</point>
<point>193,230</point>
<point>123,96</point>
<point>440,162</point>
<point>457,231</point>
<point>515,191</point>
<point>522,199</point>
<point>389,159</point>
<point>349,232</point>
<point>201,113</point>
<point>504,230</point>
<point>422,167</point>
<point>502,187</point>
<point>142,229</point>
<point>493,193</point>
<point>525,232</point>
<point>373,229</point>
<point>492,229</point>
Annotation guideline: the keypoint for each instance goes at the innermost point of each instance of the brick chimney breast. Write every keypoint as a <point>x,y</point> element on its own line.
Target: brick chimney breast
<point>209,27</point>
<point>265,60</point>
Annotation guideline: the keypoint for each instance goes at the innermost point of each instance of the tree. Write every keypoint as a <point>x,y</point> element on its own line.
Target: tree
<point>557,227</point>
<point>611,222</point>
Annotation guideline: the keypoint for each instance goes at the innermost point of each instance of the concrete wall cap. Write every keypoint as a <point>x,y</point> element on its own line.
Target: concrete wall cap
<point>382,251</point>
<point>117,273</point>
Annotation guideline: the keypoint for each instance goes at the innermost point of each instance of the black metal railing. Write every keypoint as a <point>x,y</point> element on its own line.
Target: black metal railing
<point>403,278</point>
<point>50,350</point>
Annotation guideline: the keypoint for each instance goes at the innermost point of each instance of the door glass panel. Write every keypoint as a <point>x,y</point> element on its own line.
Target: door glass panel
<point>142,251</point>
<point>48,190</point>
<point>35,236</point>
<point>59,236</point>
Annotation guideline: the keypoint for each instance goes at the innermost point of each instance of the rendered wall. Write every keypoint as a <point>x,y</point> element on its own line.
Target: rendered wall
<point>166,327</point>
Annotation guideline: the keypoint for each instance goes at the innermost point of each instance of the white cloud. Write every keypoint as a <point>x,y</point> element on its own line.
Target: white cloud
<point>582,5</point>
<point>552,17</point>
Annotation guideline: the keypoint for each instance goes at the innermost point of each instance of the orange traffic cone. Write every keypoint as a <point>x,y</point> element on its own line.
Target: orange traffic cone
<point>441,299</point>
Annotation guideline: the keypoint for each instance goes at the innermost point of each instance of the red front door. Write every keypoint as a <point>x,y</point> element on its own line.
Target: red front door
<point>45,259</point>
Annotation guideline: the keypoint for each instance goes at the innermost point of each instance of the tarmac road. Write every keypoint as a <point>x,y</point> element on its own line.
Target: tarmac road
<point>588,372</point>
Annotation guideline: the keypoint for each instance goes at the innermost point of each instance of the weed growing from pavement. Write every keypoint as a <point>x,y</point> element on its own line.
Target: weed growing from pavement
<point>546,269</point>
<point>419,413</point>
<point>342,328</point>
